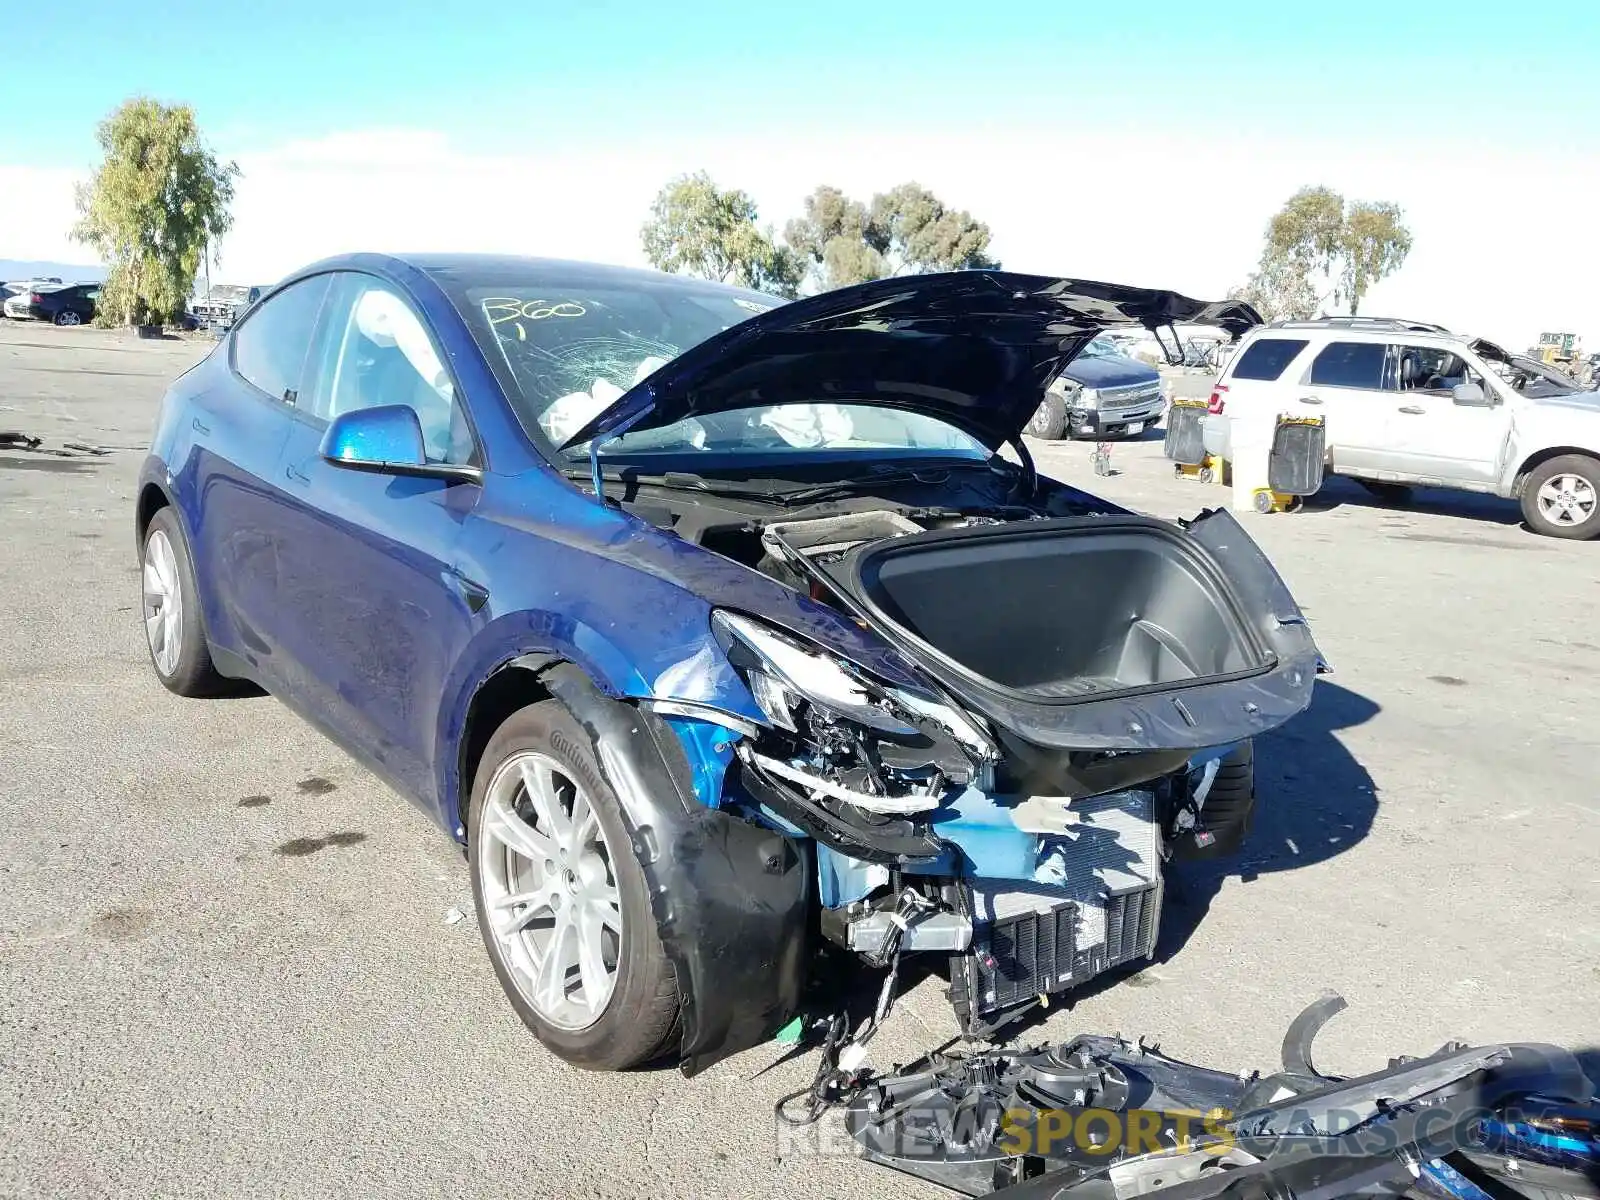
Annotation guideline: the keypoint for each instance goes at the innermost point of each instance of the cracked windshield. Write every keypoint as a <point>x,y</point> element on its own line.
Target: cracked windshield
<point>575,354</point>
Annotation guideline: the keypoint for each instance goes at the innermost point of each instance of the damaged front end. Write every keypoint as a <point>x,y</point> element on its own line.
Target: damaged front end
<point>1085,683</point>
<point>994,705</point>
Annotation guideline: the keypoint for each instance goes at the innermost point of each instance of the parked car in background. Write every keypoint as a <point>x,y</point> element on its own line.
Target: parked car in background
<point>691,660</point>
<point>1411,404</point>
<point>1102,394</point>
<point>64,304</point>
<point>220,307</point>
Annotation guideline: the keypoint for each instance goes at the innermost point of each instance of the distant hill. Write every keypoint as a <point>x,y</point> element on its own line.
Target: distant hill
<point>18,268</point>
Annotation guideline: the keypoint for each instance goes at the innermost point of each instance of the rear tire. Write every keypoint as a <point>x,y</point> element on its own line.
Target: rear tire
<point>1561,498</point>
<point>1049,420</point>
<point>174,633</point>
<point>638,1017</point>
<point>1388,493</point>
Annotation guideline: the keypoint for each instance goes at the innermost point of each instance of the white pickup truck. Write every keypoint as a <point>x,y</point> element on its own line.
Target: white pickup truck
<point>1407,404</point>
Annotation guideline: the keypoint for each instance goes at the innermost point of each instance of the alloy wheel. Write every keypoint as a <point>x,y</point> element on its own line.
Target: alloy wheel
<point>550,890</point>
<point>1568,500</point>
<point>163,603</point>
<point>68,318</point>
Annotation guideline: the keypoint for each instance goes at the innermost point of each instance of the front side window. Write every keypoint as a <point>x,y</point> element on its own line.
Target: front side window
<point>269,350</point>
<point>376,351</point>
<point>1350,365</point>
<point>1433,369</point>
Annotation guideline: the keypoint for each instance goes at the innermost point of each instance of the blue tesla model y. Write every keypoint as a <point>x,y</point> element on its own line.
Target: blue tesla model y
<point>719,629</point>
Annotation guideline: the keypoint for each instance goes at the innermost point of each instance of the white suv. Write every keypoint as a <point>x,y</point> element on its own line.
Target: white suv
<point>1413,404</point>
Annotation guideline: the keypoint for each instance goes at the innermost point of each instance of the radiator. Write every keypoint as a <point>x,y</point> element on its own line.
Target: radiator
<point>1095,904</point>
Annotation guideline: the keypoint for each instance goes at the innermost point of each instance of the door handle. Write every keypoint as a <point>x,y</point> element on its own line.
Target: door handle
<point>1411,410</point>
<point>296,474</point>
<point>1310,399</point>
<point>198,426</point>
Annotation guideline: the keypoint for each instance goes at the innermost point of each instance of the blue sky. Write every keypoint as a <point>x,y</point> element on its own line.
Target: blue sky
<point>527,74</point>
<point>1148,143</point>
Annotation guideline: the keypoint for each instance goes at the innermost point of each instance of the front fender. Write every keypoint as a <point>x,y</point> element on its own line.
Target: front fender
<point>731,900</point>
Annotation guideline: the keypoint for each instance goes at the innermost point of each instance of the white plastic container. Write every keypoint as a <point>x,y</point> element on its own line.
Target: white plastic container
<point>1250,439</point>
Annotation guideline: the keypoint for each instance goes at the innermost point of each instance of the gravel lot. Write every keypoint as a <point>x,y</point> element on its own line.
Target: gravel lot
<point>229,963</point>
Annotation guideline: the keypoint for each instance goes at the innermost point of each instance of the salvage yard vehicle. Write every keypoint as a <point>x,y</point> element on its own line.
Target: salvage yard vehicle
<point>60,304</point>
<point>709,623</point>
<point>221,306</point>
<point>1410,404</point>
<point>1103,393</point>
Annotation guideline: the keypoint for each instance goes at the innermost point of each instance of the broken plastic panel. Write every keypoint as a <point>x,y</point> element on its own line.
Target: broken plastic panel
<point>1099,1118</point>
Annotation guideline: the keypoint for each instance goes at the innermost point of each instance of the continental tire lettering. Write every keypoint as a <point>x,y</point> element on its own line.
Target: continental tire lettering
<point>576,760</point>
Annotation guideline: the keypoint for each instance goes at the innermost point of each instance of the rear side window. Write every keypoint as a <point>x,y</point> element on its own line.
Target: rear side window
<point>269,349</point>
<point>1266,358</point>
<point>1350,364</point>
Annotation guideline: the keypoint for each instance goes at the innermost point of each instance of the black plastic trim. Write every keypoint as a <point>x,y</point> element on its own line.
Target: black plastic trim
<point>731,899</point>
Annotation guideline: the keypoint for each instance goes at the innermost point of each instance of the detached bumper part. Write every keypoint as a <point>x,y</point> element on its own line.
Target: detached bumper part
<point>1099,1118</point>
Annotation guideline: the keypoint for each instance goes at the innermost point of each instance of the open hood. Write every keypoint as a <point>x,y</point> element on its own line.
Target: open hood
<point>973,348</point>
<point>1555,381</point>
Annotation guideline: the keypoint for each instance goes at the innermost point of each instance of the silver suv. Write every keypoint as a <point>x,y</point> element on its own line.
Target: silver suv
<point>1406,403</point>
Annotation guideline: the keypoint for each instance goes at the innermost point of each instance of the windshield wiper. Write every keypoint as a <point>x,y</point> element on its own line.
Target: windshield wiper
<point>680,481</point>
<point>880,475</point>
<point>884,475</point>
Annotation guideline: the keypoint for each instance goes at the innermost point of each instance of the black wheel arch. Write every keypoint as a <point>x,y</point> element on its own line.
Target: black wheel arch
<point>731,899</point>
<point>1538,459</point>
<point>152,499</point>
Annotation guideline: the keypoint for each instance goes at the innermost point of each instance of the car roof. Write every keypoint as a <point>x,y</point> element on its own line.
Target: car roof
<point>489,270</point>
<point>1413,331</point>
<point>1374,324</point>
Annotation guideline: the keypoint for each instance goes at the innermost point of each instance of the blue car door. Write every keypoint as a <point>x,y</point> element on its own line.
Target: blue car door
<point>240,419</point>
<point>366,576</point>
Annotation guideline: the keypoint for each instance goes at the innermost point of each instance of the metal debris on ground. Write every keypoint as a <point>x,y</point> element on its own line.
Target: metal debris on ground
<point>12,439</point>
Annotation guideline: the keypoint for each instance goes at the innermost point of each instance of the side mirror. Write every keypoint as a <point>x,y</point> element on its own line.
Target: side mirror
<point>386,440</point>
<point>1471,395</point>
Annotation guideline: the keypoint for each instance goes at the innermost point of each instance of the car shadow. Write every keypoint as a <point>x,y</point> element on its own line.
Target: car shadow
<point>1338,491</point>
<point>1314,802</point>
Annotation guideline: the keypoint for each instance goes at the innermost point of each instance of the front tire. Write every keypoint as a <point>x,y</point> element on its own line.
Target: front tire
<point>561,899</point>
<point>1561,498</point>
<point>174,634</point>
<point>1049,420</point>
<point>68,317</point>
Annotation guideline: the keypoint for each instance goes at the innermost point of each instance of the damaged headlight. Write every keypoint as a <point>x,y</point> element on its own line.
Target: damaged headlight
<point>843,734</point>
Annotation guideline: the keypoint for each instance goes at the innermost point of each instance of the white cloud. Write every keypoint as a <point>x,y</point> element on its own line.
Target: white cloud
<point>1184,210</point>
